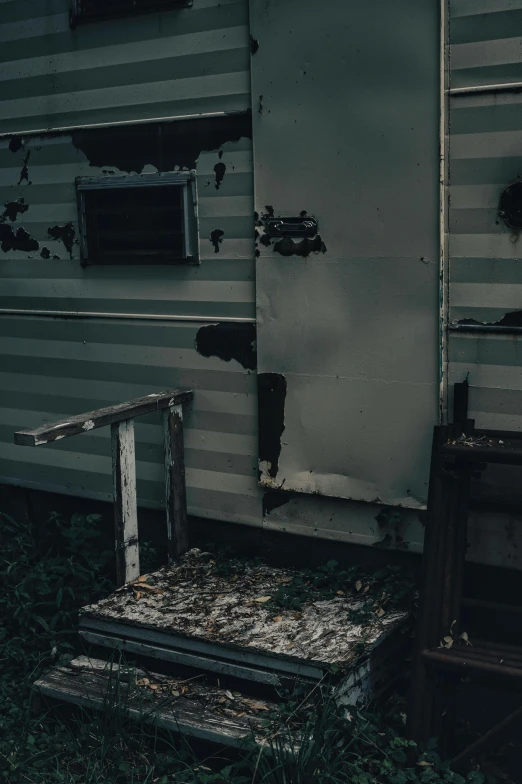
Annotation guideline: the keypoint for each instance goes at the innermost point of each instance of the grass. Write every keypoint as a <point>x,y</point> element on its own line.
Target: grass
<point>47,575</point>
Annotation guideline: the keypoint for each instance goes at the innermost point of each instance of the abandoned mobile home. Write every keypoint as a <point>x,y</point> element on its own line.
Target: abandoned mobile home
<point>259,208</point>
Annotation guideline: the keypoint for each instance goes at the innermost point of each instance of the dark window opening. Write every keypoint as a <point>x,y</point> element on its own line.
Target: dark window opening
<point>141,219</point>
<point>94,10</point>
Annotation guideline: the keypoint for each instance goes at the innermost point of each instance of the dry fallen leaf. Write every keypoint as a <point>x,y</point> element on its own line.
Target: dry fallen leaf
<point>379,613</point>
<point>262,599</point>
<point>256,705</point>
<point>175,693</point>
<point>277,618</point>
<point>340,593</point>
<point>229,695</point>
<point>358,585</point>
<point>143,578</point>
<point>138,595</point>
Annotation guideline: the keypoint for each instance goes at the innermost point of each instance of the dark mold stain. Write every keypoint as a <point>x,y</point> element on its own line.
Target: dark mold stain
<point>21,240</point>
<point>257,253</point>
<point>219,171</point>
<point>220,154</point>
<point>511,319</point>
<point>269,211</point>
<point>256,216</point>
<point>56,257</point>
<point>229,341</point>
<point>163,145</point>
<point>287,247</point>
<point>64,233</point>
<point>216,237</point>
<point>260,107</point>
<point>16,143</point>
<point>45,253</point>
<point>271,403</point>
<point>24,174</point>
<point>254,44</point>
<point>273,499</point>
<point>302,213</point>
<point>265,240</point>
<point>13,209</point>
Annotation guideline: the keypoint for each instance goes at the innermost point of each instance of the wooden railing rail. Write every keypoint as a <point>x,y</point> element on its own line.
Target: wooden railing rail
<point>121,420</point>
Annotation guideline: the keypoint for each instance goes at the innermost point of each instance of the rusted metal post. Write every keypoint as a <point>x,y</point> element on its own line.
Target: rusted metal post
<point>175,489</point>
<point>125,506</point>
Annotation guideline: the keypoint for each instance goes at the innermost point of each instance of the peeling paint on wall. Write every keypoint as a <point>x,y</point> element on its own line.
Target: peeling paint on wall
<point>511,319</point>
<point>219,171</point>
<point>64,233</point>
<point>24,174</point>
<point>164,146</point>
<point>228,341</point>
<point>45,253</point>
<point>271,402</point>
<point>13,209</point>
<point>216,237</point>
<point>19,240</point>
<point>16,143</point>
<point>288,247</point>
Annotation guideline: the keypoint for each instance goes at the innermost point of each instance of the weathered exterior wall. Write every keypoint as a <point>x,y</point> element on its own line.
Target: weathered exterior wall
<point>485,261</point>
<point>346,127</point>
<point>179,62</point>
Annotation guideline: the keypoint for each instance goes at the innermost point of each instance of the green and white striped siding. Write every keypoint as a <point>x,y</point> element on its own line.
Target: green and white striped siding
<point>50,368</point>
<point>485,155</point>
<point>179,62</point>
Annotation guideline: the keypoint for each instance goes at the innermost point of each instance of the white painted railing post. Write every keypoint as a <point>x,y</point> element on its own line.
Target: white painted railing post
<point>125,504</point>
<point>175,490</point>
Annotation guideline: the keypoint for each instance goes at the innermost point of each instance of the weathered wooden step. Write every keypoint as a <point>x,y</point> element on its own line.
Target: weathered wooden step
<point>190,707</point>
<point>221,617</point>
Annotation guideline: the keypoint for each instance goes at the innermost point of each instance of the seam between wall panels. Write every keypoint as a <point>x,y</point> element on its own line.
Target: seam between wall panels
<point>443,191</point>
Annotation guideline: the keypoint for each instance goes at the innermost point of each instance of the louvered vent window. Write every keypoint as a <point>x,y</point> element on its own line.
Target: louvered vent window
<point>139,219</point>
<point>94,10</point>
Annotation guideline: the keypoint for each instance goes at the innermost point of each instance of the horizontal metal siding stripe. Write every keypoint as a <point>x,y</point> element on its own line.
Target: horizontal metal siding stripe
<point>141,71</point>
<point>485,27</point>
<point>490,349</point>
<point>51,35</point>
<point>476,221</point>
<point>485,315</point>
<point>82,64</point>
<point>485,171</point>
<point>488,75</point>
<point>218,269</point>
<point>64,85</point>
<point>483,246</point>
<point>113,97</point>
<point>498,144</point>
<point>473,7</point>
<point>165,110</point>
<point>489,270</point>
<point>485,119</point>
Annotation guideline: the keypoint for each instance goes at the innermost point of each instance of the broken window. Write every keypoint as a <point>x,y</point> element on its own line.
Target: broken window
<point>138,219</point>
<point>93,10</point>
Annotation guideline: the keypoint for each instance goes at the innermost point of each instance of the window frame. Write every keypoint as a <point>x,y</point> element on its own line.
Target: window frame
<point>184,179</point>
<point>78,14</point>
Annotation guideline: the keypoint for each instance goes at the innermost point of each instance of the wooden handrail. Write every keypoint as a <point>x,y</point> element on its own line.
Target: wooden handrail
<point>121,419</point>
<point>82,423</point>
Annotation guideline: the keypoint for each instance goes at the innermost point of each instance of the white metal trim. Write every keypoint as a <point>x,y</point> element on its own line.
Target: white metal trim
<point>117,123</point>
<point>485,88</point>
<point>124,316</point>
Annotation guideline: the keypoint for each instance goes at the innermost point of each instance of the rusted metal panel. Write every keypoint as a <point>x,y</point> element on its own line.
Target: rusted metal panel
<point>347,320</point>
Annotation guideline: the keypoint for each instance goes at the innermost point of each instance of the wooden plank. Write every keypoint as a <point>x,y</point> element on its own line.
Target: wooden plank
<point>203,663</point>
<point>199,714</point>
<point>82,423</point>
<point>175,490</point>
<point>125,506</point>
